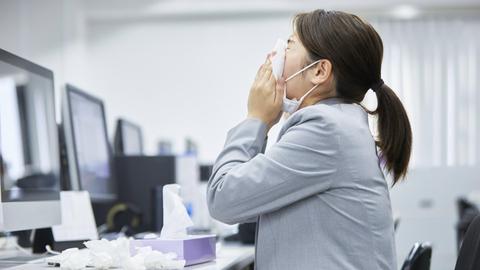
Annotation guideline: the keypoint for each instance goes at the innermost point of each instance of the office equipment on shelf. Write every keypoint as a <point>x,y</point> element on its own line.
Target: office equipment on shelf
<point>138,178</point>
<point>165,148</point>
<point>205,172</point>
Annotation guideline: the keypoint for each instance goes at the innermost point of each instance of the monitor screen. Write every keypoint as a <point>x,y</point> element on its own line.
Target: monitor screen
<point>29,158</point>
<point>128,138</point>
<point>90,142</point>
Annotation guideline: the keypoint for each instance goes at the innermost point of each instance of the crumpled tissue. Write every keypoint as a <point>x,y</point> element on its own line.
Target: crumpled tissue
<point>73,259</point>
<point>148,259</point>
<point>104,254</point>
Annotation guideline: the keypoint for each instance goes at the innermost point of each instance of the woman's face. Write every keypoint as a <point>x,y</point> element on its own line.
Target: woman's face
<point>295,59</point>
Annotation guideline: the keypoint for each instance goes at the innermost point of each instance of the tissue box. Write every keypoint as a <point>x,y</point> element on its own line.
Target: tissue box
<point>193,249</point>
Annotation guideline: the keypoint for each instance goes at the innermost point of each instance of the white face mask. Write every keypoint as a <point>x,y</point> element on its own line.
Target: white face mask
<point>278,63</point>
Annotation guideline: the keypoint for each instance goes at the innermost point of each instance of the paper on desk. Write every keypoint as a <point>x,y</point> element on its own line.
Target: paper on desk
<point>175,216</point>
<point>78,222</point>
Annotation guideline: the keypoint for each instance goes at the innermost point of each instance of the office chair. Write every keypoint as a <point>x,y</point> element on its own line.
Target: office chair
<point>419,257</point>
<point>467,211</point>
<point>469,255</point>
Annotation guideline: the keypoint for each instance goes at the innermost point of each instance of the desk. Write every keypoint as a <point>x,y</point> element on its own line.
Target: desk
<point>230,256</point>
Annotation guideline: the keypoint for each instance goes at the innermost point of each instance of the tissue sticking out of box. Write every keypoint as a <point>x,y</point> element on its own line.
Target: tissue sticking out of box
<point>175,217</point>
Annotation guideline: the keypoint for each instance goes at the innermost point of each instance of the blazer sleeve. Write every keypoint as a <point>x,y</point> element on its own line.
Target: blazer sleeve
<point>246,183</point>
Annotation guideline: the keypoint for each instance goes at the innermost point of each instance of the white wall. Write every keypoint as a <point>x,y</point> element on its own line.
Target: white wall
<point>180,78</point>
<point>31,29</point>
<point>47,33</point>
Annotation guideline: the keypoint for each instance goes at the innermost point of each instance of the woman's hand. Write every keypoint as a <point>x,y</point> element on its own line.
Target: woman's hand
<point>266,95</point>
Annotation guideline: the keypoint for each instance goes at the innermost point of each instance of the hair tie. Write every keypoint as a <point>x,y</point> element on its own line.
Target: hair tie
<point>377,85</point>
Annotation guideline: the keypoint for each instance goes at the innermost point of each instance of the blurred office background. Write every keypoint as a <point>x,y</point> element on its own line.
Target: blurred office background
<point>183,69</point>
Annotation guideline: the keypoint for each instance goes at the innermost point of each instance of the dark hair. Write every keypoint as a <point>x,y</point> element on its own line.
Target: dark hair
<point>356,50</point>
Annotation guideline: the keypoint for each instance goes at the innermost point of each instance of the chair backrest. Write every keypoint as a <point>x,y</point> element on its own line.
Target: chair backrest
<point>463,205</point>
<point>419,257</point>
<point>467,211</point>
<point>469,255</point>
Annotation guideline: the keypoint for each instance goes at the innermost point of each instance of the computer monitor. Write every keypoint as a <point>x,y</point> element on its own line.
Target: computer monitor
<point>86,141</point>
<point>128,140</point>
<point>29,152</point>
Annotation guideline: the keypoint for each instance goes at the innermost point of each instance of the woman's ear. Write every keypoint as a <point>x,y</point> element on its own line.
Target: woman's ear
<point>321,72</point>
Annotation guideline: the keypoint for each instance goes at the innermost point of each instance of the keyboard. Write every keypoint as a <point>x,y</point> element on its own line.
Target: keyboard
<point>18,260</point>
<point>56,259</point>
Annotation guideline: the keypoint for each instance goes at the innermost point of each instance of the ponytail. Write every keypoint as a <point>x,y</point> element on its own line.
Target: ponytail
<point>394,132</point>
<point>356,51</point>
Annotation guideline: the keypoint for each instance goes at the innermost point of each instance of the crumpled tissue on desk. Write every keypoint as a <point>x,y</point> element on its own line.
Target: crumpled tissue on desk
<point>104,254</point>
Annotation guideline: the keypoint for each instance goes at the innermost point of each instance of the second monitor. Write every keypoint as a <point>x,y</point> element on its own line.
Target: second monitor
<point>88,150</point>
<point>128,140</point>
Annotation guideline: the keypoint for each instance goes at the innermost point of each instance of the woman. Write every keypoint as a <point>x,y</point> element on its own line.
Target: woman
<point>319,194</point>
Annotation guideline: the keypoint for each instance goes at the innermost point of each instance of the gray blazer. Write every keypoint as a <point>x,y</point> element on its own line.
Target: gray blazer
<point>319,195</point>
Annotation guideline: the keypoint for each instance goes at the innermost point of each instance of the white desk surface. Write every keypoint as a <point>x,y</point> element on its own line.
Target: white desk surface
<point>229,256</point>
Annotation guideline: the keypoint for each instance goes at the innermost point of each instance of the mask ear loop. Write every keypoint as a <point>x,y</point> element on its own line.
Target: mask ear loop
<point>301,70</point>
<point>306,94</point>
<point>302,98</point>
<point>295,74</point>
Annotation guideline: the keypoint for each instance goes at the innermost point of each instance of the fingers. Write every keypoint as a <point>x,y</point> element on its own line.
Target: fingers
<point>280,90</point>
<point>267,69</point>
<point>270,68</point>
<point>281,84</point>
<point>261,69</point>
<point>268,87</point>
<point>264,98</point>
<point>265,76</point>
